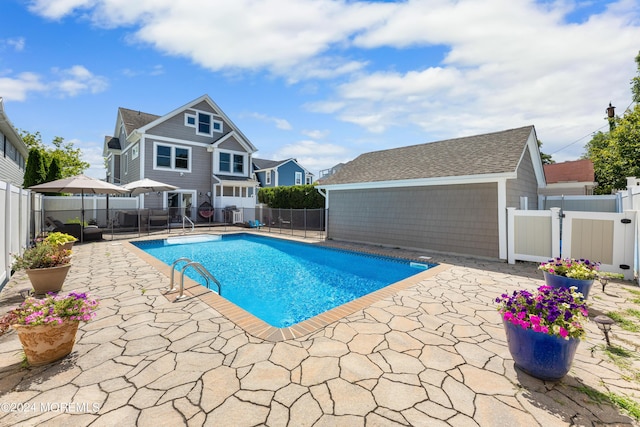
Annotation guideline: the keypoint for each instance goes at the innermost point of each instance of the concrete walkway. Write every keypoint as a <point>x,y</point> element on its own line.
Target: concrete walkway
<point>434,354</point>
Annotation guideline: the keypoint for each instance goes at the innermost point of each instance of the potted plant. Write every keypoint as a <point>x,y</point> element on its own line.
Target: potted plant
<point>63,239</point>
<point>568,272</point>
<point>47,327</point>
<point>46,265</point>
<point>543,329</point>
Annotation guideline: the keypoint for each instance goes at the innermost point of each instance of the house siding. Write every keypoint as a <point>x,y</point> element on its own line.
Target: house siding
<point>525,185</point>
<point>459,219</point>
<point>287,173</point>
<point>11,162</point>
<point>198,179</point>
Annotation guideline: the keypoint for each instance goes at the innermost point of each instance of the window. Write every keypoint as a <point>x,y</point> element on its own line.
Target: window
<point>172,157</point>
<point>267,175</point>
<point>126,163</point>
<point>135,151</point>
<point>225,162</point>
<point>182,158</point>
<point>298,178</point>
<point>307,180</point>
<point>163,156</point>
<point>238,163</point>
<point>204,123</point>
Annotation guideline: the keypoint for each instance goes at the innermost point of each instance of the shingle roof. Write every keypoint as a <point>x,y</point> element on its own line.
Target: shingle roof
<point>497,152</point>
<point>135,119</point>
<point>266,164</point>
<point>573,171</point>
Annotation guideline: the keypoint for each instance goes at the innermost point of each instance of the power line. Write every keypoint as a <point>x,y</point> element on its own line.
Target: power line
<point>590,133</point>
<point>577,140</point>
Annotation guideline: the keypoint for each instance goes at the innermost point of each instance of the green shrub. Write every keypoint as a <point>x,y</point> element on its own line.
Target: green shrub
<point>292,197</point>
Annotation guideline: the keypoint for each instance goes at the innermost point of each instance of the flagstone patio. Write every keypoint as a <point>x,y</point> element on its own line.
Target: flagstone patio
<point>433,354</point>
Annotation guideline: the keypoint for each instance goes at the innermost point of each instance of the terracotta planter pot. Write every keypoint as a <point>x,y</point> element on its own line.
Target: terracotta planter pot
<point>68,245</point>
<point>49,279</point>
<point>584,286</point>
<point>44,344</point>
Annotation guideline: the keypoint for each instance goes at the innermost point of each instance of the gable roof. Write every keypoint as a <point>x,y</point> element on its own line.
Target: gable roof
<point>262,164</point>
<point>134,119</point>
<point>491,153</point>
<point>266,164</point>
<point>159,119</point>
<point>572,171</point>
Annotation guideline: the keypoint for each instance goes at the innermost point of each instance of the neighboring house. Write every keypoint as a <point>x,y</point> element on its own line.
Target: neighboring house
<point>195,147</point>
<point>326,173</point>
<point>574,178</point>
<point>448,196</point>
<point>275,173</point>
<point>13,151</point>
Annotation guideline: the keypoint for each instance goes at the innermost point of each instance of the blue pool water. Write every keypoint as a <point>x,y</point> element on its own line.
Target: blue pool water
<point>283,282</point>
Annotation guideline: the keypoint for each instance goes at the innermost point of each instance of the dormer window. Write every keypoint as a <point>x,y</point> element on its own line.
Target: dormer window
<point>204,123</point>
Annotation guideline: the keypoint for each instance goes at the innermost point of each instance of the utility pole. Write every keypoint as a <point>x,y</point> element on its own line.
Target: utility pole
<point>611,117</point>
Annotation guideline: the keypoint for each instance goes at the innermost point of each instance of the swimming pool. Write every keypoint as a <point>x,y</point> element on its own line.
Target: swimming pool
<point>284,282</point>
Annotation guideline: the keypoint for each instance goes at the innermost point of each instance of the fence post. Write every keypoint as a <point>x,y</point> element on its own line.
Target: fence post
<point>556,237</point>
<point>511,238</point>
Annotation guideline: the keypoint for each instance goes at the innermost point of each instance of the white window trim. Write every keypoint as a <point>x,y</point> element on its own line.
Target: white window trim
<point>267,178</point>
<point>135,151</point>
<point>173,157</point>
<point>298,178</point>
<point>245,162</point>
<point>126,163</point>
<point>212,122</point>
<point>186,120</point>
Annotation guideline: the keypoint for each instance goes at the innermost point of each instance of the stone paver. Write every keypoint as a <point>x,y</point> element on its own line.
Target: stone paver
<point>433,354</point>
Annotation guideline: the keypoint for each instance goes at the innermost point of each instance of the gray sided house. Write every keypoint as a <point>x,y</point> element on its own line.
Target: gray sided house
<point>196,148</point>
<point>13,151</point>
<point>274,173</point>
<point>447,196</point>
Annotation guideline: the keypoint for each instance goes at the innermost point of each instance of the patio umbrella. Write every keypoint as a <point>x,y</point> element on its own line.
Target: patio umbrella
<point>147,186</point>
<point>79,184</point>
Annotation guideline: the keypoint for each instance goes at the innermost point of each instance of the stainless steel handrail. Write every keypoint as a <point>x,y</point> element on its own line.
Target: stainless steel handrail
<point>196,266</point>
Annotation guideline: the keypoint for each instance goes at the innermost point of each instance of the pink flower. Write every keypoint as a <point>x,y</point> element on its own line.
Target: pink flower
<point>563,332</point>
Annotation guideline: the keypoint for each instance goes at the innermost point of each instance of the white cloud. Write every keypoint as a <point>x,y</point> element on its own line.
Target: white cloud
<point>78,79</point>
<point>91,153</point>
<point>55,9</point>
<point>286,37</point>
<point>282,124</point>
<point>17,88</point>
<point>16,43</point>
<point>315,133</point>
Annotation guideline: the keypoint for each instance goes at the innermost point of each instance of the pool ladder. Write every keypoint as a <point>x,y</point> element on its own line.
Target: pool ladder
<point>196,266</point>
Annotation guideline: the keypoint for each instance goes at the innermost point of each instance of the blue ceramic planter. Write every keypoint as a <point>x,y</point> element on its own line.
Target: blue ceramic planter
<point>584,286</point>
<point>543,356</point>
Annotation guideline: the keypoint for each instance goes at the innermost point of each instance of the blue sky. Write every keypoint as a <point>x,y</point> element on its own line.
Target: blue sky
<point>321,80</point>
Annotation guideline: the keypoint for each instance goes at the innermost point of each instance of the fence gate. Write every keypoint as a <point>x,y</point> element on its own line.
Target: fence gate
<point>609,238</point>
<point>605,237</point>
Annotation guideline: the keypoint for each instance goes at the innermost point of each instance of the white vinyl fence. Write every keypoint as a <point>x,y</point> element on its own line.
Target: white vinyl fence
<point>15,213</point>
<point>609,238</point>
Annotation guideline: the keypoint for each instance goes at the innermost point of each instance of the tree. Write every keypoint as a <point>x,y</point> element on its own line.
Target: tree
<point>35,172</point>
<point>546,158</point>
<point>69,158</point>
<point>635,82</point>
<point>616,154</point>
